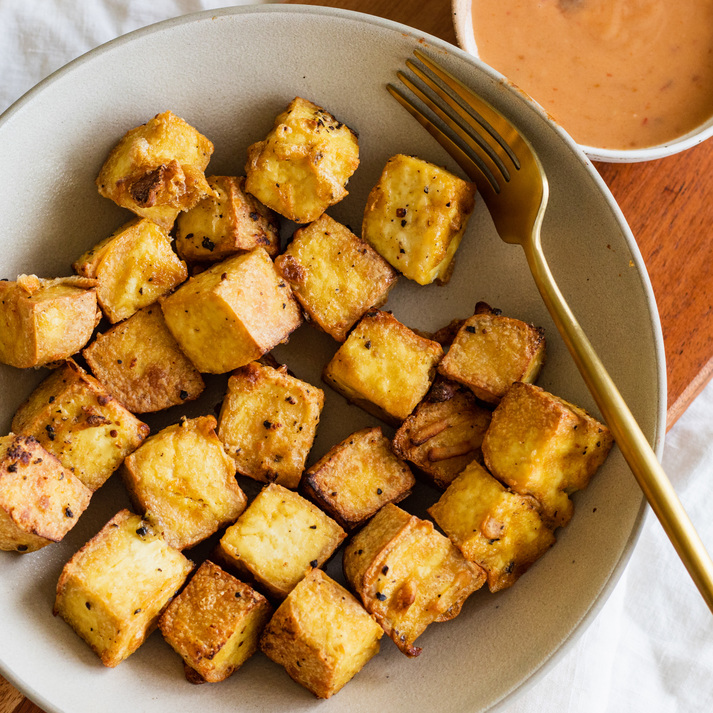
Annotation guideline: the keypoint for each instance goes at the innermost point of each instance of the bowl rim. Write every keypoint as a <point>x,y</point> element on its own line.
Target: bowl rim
<point>462,17</point>
<point>658,435</point>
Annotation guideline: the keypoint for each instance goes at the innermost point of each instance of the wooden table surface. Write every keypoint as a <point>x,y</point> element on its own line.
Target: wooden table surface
<point>666,205</point>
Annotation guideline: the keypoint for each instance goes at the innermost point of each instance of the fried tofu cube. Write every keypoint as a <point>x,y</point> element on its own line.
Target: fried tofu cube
<point>303,165</point>
<point>268,422</point>
<point>415,217</point>
<point>215,623</point>
<point>182,480</point>
<point>232,313</point>
<point>228,222</point>
<point>114,589</point>
<point>157,169</point>
<point>73,416</point>
<point>279,538</point>
<point>444,433</point>
<point>491,352</point>
<point>321,635</point>
<point>384,367</point>
<point>40,500</point>
<point>408,575</point>
<point>133,267</point>
<point>357,477</point>
<point>42,321</point>
<point>499,530</point>
<point>334,275</point>
<point>140,363</point>
<point>539,444</point>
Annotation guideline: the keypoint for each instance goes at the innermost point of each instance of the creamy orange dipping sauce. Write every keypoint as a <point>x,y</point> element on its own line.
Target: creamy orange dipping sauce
<point>616,74</point>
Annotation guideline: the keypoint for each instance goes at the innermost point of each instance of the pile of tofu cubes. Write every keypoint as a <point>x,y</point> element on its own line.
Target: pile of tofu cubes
<point>197,283</point>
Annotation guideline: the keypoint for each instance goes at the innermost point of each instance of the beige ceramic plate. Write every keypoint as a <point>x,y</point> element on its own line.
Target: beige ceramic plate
<point>229,73</point>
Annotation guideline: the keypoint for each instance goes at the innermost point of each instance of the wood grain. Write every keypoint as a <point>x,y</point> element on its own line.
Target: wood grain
<point>10,698</point>
<point>666,205</point>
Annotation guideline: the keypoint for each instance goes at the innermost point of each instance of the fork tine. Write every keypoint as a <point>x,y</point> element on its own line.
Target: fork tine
<point>473,166</point>
<point>490,116</point>
<point>469,134</point>
<point>465,123</point>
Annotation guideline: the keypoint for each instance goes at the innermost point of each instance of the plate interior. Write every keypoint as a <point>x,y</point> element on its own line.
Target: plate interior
<point>229,74</point>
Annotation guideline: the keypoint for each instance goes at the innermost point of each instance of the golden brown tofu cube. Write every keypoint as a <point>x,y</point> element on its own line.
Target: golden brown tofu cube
<point>40,501</point>
<point>140,363</point>
<point>76,419</point>
<point>335,275</point>
<point>268,422</point>
<point>408,575</point>
<point>279,538</point>
<point>357,477</point>
<point>182,480</point>
<point>415,217</point>
<point>384,367</point>
<point>232,313</point>
<point>42,321</point>
<point>499,530</point>
<point>491,352</point>
<point>114,589</point>
<point>444,433</point>
<point>228,222</point>
<point>303,165</point>
<point>539,444</point>
<point>156,170</point>
<point>321,635</point>
<point>215,623</point>
<point>134,267</point>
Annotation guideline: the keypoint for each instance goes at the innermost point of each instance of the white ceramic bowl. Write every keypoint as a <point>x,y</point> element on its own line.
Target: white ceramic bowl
<point>229,73</point>
<point>463,24</point>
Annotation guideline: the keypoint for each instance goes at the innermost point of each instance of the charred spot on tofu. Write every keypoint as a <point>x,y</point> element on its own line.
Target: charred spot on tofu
<point>156,169</point>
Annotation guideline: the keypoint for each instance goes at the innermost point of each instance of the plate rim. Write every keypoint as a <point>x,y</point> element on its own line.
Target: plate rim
<point>658,435</point>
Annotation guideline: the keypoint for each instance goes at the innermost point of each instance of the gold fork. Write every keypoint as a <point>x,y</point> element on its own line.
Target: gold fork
<point>513,185</point>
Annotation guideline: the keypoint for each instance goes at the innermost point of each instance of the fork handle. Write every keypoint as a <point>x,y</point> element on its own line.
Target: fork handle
<point>633,444</point>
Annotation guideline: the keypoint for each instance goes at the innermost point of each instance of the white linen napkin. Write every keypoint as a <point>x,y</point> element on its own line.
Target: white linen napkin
<point>650,649</point>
